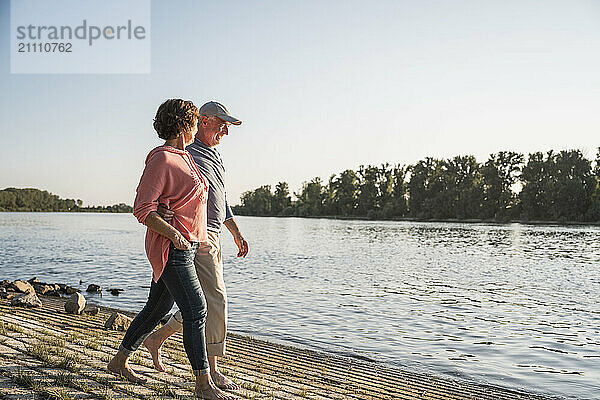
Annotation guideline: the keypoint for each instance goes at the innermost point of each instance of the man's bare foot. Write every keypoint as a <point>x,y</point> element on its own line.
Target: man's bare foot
<point>223,382</point>
<point>120,368</point>
<point>212,392</point>
<point>153,346</point>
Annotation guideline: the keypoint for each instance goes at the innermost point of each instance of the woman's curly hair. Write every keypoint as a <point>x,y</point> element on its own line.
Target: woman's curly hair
<point>174,117</point>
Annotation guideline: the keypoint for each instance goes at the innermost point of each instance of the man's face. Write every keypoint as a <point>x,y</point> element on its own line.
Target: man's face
<point>214,128</point>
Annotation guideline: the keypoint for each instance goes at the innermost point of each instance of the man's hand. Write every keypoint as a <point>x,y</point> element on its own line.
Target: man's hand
<point>237,237</point>
<point>165,213</point>
<point>241,244</point>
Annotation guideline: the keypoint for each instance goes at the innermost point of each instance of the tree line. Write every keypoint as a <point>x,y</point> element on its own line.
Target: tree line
<point>554,186</point>
<point>14,199</point>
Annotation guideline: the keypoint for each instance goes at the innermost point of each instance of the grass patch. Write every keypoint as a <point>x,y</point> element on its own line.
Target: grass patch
<point>24,379</point>
<point>53,357</point>
<point>40,351</point>
<point>8,327</point>
<point>74,337</point>
<point>93,344</point>
<point>68,362</point>
<point>163,389</point>
<point>64,379</point>
<point>106,394</point>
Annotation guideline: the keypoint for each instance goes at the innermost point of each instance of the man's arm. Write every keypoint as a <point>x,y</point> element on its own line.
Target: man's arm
<point>239,240</point>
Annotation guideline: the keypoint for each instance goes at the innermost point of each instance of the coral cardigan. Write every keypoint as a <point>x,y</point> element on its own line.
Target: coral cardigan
<point>171,178</point>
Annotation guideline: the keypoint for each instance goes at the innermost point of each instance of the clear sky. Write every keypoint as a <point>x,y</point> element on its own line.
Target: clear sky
<point>321,86</point>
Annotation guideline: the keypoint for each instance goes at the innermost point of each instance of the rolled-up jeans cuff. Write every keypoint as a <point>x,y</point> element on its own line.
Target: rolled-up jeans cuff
<point>125,351</point>
<point>175,324</point>
<point>215,349</point>
<point>201,372</point>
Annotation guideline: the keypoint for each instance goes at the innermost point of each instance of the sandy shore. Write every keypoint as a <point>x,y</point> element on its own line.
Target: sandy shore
<point>48,354</point>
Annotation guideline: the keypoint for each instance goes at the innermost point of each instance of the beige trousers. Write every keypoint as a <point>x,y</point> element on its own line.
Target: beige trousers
<point>209,267</point>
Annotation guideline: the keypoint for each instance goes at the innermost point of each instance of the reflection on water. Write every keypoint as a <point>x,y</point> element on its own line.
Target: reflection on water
<point>512,305</point>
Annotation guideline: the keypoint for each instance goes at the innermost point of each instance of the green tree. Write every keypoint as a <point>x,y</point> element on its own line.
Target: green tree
<point>398,207</point>
<point>281,201</point>
<point>368,191</point>
<point>421,175</point>
<point>539,180</point>
<point>310,199</point>
<point>344,193</point>
<point>500,172</point>
<point>465,175</point>
<point>258,201</point>
<point>575,185</point>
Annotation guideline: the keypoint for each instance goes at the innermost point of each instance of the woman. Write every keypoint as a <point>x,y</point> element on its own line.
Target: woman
<point>172,178</point>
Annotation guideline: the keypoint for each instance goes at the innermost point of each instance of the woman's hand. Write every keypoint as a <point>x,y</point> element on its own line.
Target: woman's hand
<point>155,223</point>
<point>181,242</point>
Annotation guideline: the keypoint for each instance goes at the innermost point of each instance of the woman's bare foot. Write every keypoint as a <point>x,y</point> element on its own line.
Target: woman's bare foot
<point>118,366</point>
<point>153,345</point>
<point>223,382</point>
<point>212,392</point>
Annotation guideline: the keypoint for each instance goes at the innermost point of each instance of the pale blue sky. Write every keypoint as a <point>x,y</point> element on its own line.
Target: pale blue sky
<point>320,85</point>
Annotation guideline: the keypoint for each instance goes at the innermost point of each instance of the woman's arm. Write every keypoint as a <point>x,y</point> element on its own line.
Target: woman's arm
<point>155,223</point>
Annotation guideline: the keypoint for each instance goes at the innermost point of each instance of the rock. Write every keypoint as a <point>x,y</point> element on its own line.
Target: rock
<point>71,290</point>
<point>5,283</point>
<point>56,287</point>
<point>42,288</point>
<point>34,280</point>
<point>91,310</point>
<point>115,292</point>
<point>66,289</point>
<point>92,288</point>
<point>53,293</point>
<point>117,322</point>
<point>22,287</point>
<point>29,299</point>
<point>3,293</point>
<point>75,304</point>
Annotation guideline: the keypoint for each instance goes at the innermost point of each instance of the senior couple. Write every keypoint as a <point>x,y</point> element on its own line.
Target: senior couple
<point>181,199</point>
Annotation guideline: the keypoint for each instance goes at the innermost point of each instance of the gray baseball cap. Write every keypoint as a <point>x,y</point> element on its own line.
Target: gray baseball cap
<point>214,109</point>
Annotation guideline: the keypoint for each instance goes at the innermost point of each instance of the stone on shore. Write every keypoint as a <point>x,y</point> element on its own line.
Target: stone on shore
<point>5,283</point>
<point>75,304</point>
<point>33,280</point>
<point>66,289</point>
<point>28,299</point>
<point>42,288</point>
<point>91,310</point>
<point>3,293</point>
<point>117,322</point>
<point>22,287</point>
<point>93,288</point>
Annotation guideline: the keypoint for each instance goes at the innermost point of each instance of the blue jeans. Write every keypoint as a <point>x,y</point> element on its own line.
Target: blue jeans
<point>178,284</point>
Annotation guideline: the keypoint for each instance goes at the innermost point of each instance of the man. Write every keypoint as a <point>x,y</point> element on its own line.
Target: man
<point>213,124</point>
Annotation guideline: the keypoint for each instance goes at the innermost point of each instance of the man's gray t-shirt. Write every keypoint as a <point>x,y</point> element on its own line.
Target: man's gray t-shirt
<point>210,163</point>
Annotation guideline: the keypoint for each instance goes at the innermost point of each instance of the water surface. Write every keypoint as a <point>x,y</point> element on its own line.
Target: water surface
<point>510,305</point>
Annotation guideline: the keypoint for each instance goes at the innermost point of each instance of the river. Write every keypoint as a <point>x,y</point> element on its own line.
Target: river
<point>509,305</point>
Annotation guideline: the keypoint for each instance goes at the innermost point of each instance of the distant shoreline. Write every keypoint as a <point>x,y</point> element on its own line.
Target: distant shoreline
<point>340,217</point>
<point>454,221</point>
<point>68,212</point>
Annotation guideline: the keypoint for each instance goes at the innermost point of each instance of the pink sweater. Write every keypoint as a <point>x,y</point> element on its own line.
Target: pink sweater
<point>171,178</point>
